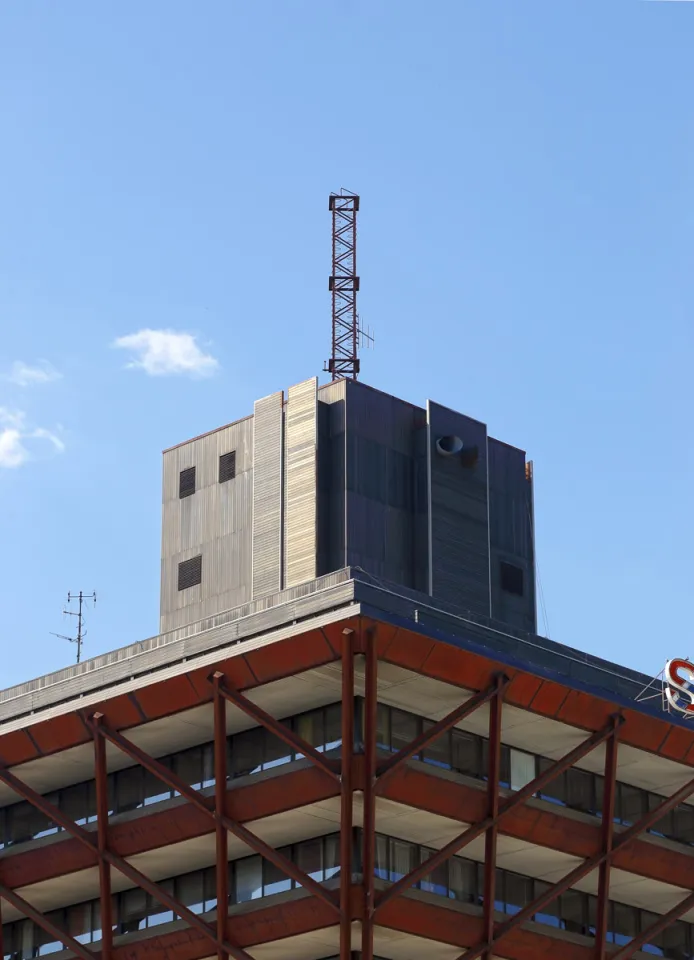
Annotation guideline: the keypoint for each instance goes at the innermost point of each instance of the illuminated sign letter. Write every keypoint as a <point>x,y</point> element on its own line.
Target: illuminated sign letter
<point>679,691</point>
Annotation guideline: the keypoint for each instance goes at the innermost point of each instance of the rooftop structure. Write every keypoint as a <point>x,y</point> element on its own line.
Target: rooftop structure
<point>347,476</point>
<point>347,732</point>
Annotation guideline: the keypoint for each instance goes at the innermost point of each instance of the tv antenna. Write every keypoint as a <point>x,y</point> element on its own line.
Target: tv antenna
<point>81,599</point>
<point>348,331</point>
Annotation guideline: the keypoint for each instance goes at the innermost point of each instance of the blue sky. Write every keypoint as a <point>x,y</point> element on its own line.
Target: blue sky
<point>525,252</point>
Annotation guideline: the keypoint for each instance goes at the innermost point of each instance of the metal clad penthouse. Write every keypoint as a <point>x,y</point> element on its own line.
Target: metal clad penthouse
<point>347,740</point>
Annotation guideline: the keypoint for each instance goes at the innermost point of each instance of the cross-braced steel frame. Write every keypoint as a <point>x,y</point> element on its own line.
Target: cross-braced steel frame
<point>353,901</point>
<point>344,285</point>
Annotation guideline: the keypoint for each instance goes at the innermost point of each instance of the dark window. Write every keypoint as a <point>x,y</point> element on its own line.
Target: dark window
<point>467,753</point>
<point>511,578</point>
<point>274,880</point>
<point>186,483</point>
<point>227,466</point>
<point>190,573</point>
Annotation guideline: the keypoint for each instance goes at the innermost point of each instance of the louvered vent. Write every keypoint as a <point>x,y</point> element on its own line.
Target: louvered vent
<point>190,573</point>
<point>186,483</point>
<point>227,466</point>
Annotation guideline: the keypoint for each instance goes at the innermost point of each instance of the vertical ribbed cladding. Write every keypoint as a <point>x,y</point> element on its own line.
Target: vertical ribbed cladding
<point>268,456</point>
<point>381,484</point>
<point>459,530</point>
<point>511,533</point>
<point>215,521</point>
<point>331,477</point>
<point>300,512</point>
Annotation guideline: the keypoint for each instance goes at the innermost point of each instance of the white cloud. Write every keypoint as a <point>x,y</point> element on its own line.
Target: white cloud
<point>13,453</point>
<point>161,353</point>
<point>24,375</point>
<point>18,441</point>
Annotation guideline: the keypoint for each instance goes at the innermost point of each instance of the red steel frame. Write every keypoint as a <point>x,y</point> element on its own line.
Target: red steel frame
<point>352,773</point>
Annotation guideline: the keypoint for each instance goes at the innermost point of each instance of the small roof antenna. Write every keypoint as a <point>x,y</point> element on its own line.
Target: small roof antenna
<point>81,599</point>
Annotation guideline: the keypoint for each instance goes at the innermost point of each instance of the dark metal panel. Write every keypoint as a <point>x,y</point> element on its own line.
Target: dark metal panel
<point>380,484</point>
<point>331,477</point>
<point>511,534</point>
<point>459,530</point>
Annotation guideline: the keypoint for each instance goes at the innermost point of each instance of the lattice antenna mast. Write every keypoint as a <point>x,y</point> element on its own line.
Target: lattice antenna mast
<point>344,286</point>
<point>82,599</point>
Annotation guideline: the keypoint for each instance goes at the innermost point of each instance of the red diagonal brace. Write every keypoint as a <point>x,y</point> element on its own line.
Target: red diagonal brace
<point>90,841</point>
<point>202,803</point>
<point>609,791</point>
<point>220,790</point>
<point>572,878</point>
<point>279,729</point>
<point>493,777</point>
<point>662,923</point>
<point>369,823</point>
<point>389,766</point>
<point>24,907</point>
<point>477,829</point>
<point>101,782</point>
<point>346,795</point>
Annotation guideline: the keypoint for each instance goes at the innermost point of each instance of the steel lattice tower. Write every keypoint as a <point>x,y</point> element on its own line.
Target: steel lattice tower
<point>344,285</point>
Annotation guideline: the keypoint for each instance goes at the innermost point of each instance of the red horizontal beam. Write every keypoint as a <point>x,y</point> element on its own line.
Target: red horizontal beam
<point>409,649</point>
<point>388,767</point>
<point>44,923</point>
<point>176,823</point>
<point>280,730</point>
<point>158,697</point>
<point>206,806</point>
<point>509,804</point>
<point>453,665</point>
<point>460,929</point>
<point>552,828</point>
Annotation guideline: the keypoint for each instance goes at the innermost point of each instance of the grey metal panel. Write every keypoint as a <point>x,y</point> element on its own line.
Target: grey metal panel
<point>300,514</point>
<point>459,523</point>
<point>268,456</point>
<point>216,521</point>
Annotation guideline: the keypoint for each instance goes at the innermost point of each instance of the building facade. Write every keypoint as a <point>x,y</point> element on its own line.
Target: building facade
<point>346,476</point>
<point>347,740</point>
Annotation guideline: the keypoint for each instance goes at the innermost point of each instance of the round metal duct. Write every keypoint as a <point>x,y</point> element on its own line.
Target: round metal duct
<point>449,446</point>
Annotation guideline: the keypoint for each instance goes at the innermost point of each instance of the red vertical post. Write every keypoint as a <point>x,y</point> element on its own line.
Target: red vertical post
<point>490,838</point>
<point>608,804</point>
<point>369,854</point>
<point>220,789</point>
<point>346,814</point>
<point>101,779</point>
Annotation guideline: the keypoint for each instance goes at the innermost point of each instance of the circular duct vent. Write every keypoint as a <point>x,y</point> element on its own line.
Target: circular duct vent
<point>449,446</point>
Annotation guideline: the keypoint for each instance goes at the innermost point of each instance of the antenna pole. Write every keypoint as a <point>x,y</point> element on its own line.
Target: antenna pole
<point>344,286</point>
<point>81,598</point>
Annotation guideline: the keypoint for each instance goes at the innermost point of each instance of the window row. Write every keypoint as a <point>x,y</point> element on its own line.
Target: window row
<point>227,471</point>
<point>467,753</point>
<point>257,749</point>
<point>253,878</point>
<point>251,751</point>
<point>249,879</point>
<point>463,880</point>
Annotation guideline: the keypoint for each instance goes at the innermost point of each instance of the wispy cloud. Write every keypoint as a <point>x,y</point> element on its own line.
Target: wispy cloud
<point>20,442</point>
<point>162,353</point>
<point>28,375</point>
